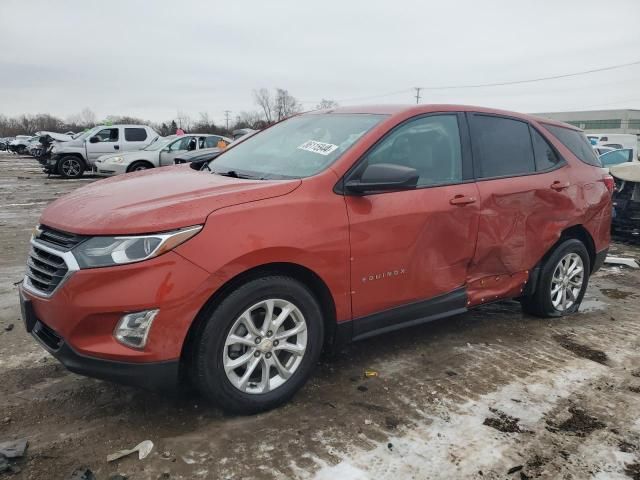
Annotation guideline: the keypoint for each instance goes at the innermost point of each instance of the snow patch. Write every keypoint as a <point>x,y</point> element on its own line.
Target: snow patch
<point>458,445</point>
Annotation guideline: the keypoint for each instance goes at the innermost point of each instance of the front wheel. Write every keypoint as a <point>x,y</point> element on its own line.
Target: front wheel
<point>139,166</point>
<point>562,283</point>
<point>71,167</point>
<point>259,345</point>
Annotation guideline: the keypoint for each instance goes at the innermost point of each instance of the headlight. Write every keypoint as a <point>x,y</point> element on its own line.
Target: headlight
<point>117,159</point>
<point>107,251</point>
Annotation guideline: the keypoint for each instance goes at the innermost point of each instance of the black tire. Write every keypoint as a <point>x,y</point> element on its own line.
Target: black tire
<point>71,167</point>
<point>540,302</point>
<point>20,150</point>
<point>207,364</point>
<point>139,166</point>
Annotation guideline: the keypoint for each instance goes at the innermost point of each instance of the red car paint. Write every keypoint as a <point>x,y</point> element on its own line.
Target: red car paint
<point>372,252</point>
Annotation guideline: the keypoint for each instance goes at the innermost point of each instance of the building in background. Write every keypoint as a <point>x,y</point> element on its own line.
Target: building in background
<point>595,121</point>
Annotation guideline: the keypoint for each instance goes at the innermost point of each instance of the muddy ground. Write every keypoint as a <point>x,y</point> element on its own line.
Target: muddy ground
<point>489,394</point>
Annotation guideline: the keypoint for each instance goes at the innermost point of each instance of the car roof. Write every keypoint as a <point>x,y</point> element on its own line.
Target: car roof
<point>407,110</point>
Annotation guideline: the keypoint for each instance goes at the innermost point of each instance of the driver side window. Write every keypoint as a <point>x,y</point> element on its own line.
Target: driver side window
<point>107,135</point>
<point>431,145</point>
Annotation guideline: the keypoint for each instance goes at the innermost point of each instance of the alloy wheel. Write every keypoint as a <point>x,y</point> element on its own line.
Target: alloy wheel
<point>71,168</point>
<point>566,282</point>
<point>265,346</point>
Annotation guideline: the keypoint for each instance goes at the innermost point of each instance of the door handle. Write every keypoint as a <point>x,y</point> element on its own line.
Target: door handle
<point>462,200</point>
<point>557,185</point>
<point>116,147</point>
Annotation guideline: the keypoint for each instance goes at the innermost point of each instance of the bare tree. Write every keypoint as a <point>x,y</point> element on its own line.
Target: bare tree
<point>184,121</point>
<point>326,104</point>
<point>87,117</point>
<point>285,104</point>
<point>249,120</point>
<point>263,99</point>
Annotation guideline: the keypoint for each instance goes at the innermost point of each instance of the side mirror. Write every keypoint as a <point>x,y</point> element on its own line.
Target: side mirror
<point>383,177</point>
<point>94,139</point>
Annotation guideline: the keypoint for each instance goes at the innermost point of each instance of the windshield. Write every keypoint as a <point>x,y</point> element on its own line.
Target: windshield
<point>296,148</point>
<point>159,144</point>
<point>83,135</point>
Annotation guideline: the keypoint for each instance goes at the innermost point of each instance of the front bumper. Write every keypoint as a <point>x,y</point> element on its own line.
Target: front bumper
<point>85,309</point>
<point>106,169</point>
<point>151,375</point>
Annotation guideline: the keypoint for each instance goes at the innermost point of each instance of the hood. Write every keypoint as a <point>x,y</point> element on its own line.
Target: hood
<point>60,137</point>
<point>154,201</point>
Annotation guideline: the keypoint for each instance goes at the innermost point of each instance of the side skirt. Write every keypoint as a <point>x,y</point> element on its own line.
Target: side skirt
<point>446,305</point>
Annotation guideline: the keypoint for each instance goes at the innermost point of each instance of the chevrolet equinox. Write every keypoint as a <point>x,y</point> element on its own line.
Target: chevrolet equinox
<point>328,227</point>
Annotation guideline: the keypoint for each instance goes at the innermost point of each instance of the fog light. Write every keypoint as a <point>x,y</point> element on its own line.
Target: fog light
<point>133,328</point>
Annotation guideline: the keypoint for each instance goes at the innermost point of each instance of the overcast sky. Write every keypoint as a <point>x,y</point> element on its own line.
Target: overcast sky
<point>151,59</point>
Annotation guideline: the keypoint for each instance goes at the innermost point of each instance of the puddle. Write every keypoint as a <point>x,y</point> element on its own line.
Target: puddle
<point>616,294</point>
<point>583,351</point>
<point>580,423</point>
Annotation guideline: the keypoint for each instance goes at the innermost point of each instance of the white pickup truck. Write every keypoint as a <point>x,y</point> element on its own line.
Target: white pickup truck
<point>71,159</point>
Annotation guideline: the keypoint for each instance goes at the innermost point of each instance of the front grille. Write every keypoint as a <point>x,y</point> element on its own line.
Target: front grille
<point>58,238</point>
<point>45,270</point>
<point>47,336</point>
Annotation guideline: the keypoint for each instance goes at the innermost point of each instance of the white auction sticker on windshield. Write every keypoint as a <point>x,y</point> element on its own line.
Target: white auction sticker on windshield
<point>318,147</point>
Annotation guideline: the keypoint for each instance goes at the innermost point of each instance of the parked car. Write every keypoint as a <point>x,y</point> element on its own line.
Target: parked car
<point>615,141</point>
<point>19,144</point>
<point>241,132</point>
<point>602,150</point>
<point>626,198</point>
<point>324,228</point>
<point>4,143</point>
<point>33,145</point>
<point>614,157</point>
<point>158,154</point>
<point>199,158</point>
<point>70,159</point>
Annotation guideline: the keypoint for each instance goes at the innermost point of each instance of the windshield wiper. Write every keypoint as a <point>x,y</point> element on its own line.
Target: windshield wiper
<point>234,174</point>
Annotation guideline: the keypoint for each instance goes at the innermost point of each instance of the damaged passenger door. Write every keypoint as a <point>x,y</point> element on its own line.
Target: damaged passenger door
<point>525,201</point>
<point>410,248</point>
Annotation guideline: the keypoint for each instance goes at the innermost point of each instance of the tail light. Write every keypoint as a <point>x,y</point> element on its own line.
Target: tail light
<point>610,183</point>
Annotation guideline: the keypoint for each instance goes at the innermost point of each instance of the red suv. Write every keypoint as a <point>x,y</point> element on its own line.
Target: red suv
<point>327,227</point>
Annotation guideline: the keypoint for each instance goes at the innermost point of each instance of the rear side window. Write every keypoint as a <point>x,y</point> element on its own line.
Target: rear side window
<point>546,157</point>
<point>501,146</point>
<point>135,134</point>
<point>576,142</point>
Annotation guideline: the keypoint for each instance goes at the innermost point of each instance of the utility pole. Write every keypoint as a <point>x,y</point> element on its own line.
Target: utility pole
<point>226,117</point>
<point>417,94</point>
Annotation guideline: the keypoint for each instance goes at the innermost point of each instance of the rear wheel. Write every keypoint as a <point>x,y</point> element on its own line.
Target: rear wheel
<point>139,166</point>
<point>71,167</point>
<point>562,282</point>
<point>259,346</point>
<point>21,149</point>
